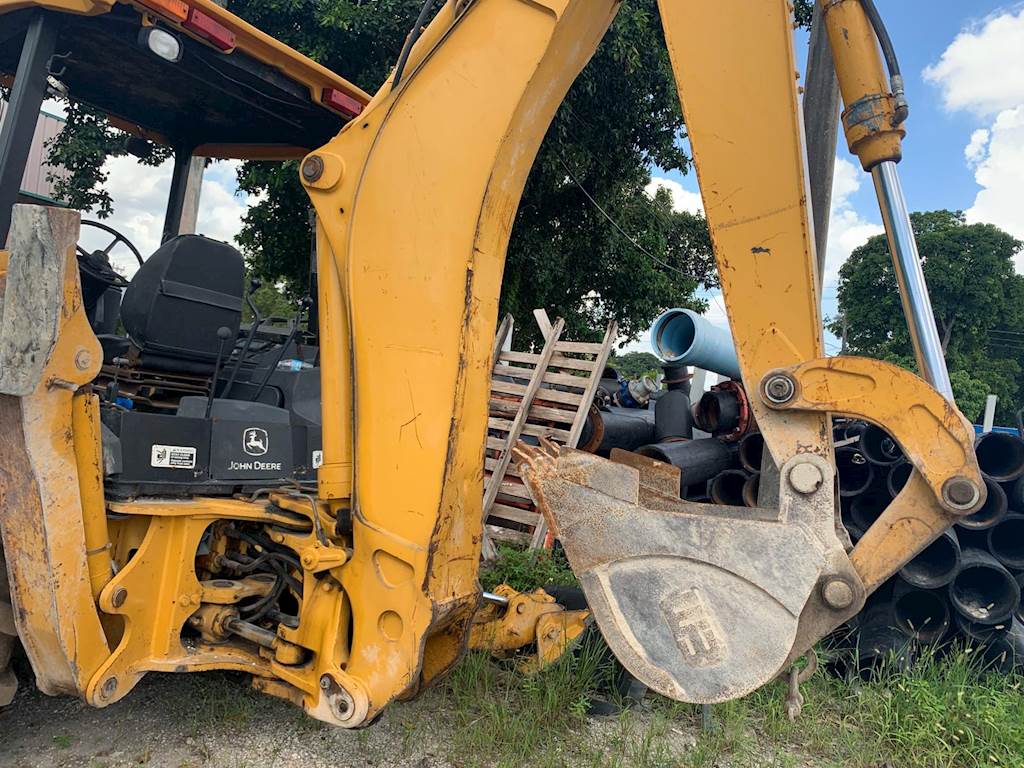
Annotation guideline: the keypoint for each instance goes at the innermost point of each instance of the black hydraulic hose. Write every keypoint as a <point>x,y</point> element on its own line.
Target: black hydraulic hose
<point>891,61</point>
<point>410,41</point>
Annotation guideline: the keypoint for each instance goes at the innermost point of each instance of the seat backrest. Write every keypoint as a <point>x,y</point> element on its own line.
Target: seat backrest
<point>181,295</point>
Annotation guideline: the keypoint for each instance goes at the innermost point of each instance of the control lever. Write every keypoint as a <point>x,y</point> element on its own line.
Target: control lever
<point>304,304</point>
<point>224,334</point>
<point>257,320</point>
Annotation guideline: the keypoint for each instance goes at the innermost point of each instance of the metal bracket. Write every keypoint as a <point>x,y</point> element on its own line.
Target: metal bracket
<point>934,435</point>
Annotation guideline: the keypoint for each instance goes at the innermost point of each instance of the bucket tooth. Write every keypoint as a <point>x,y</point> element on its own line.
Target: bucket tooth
<point>699,602</point>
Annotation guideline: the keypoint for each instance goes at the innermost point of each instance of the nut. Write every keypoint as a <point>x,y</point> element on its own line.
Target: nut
<point>325,682</point>
<point>312,168</point>
<point>805,478</point>
<point>960,493</point>
<point>109,687</point>
<point>837,593</point>
<point>83,359</point>
<point>779,389</point>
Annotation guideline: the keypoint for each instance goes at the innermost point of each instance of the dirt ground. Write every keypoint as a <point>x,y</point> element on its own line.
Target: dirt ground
<point>193,721</point>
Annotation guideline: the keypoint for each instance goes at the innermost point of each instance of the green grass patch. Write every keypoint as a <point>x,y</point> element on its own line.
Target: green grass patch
<point>941,713</point>
<point>527,569</point>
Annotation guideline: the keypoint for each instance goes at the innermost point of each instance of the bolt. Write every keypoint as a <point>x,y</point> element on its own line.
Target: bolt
<point>312,168</point>
<point>83,359</point>
<point>278,538</point>
<point>325,682</point>
<point>109,687</point>
<point>837,593</point>
<point>960,493</point>
<point>779,389</point>
<point>805,478</point>
<point>120,595</point>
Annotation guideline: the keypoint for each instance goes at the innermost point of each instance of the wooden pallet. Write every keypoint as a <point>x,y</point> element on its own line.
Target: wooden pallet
<point>533,395</point>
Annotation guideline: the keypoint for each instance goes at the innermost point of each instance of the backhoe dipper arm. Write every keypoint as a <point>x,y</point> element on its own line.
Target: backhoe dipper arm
<point>416,200</point>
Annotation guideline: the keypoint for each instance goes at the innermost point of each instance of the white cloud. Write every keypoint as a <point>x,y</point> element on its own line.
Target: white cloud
<point>982,70</point>
<point>847,228</point>
<point>682,199</point>
<point>999,171</point>
<point>975,150</point>
<point>140,196</point>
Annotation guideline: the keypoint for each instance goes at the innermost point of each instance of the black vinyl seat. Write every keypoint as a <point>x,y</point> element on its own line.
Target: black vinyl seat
<point>190,287</point>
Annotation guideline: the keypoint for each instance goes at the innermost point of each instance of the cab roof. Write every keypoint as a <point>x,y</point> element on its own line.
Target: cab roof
<point>235,92</point>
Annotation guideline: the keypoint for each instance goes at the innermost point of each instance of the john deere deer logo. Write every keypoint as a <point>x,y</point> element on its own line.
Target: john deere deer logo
<point>255,441</point>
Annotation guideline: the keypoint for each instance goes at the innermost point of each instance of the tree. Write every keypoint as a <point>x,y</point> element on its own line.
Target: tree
<point>975,294</point>
<point>633,365</point>
<point>620,119</point>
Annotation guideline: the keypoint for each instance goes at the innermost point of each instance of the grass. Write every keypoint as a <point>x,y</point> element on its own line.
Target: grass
<point>526,570</point>
<point>942,712</point>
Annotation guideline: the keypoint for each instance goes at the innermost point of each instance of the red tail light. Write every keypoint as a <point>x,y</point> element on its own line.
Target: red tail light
<point>341,102</point>
<point>209,29</point>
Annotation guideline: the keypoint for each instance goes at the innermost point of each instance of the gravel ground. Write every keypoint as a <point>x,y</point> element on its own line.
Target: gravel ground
<point>211,720</point>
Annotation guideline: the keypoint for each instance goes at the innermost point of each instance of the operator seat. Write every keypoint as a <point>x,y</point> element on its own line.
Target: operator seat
<point>189,288</point>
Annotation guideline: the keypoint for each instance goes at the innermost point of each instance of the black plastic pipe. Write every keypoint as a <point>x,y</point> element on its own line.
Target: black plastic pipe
<point>878,447</point>
<point>880,643</point>
<point>698,460</point>
<point>866,508</point>
<point>673,419</point>
<point>751,451</point>
<point>897,477</point>
<point>991,512</point>
<point>855,473</point>
<point>1006,541</point>
<point>751,487</point>
<point>1000,456</point>
<point>983,591</point>
<point>921,614</point>
<point>726,488</point>
<point>625,428</point>
<point>936,565</point>
<point>1005,650</point>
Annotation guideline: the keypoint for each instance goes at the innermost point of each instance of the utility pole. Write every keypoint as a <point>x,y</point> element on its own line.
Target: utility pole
<point>821,125</point>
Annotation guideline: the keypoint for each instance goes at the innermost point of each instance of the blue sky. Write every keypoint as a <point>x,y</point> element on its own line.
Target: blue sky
<point>963,63</point>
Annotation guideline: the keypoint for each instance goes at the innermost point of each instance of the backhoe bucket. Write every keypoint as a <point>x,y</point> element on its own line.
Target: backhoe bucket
<point>700,602</point>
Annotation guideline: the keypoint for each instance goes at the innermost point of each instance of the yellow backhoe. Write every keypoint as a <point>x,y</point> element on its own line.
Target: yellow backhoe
<point>197,493</point>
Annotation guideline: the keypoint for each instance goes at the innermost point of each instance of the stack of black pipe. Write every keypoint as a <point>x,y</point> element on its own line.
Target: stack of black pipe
<point>965,586</point>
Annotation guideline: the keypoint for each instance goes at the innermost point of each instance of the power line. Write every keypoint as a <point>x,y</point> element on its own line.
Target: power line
<point>618,228</point>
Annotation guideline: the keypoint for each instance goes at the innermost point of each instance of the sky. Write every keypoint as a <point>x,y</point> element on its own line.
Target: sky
<point>963,62</point>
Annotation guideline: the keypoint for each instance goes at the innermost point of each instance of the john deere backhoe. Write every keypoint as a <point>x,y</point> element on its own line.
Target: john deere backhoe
<point>173,499</point>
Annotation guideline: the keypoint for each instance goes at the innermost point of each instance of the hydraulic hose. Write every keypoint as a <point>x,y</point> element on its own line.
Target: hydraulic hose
<point>410,41</point>
<point>891,61</point>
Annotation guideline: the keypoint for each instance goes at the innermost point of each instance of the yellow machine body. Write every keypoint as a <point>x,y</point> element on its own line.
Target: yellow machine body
<point>415,201</point>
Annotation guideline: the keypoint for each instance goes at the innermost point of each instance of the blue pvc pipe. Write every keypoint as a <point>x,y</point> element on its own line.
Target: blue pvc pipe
<point>682,336</point>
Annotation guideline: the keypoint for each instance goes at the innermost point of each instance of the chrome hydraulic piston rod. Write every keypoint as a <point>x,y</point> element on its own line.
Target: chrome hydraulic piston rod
<point>917,305</point>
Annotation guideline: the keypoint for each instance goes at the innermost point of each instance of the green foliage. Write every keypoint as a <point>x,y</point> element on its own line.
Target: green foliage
<point>633,365</point>
<point>527,569</point>
<point>969,393</point>
<point>620,118</point>
<point>271,301</point>
<point>82,148</point>
<point>974,290</point>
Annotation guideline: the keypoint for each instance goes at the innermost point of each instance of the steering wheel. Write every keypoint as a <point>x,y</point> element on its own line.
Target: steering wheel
<point>98,262</point>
